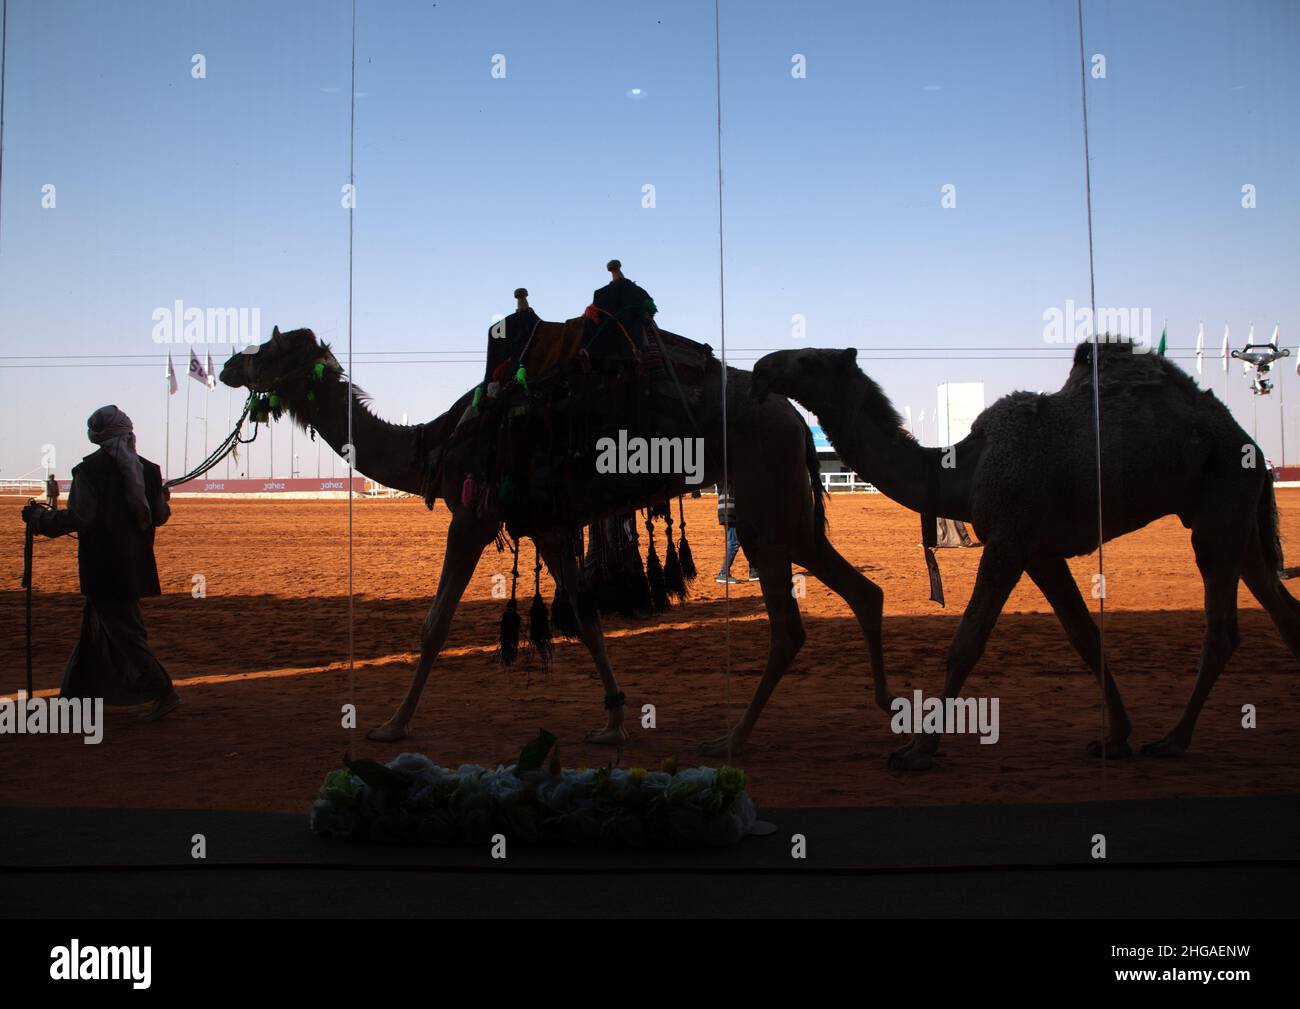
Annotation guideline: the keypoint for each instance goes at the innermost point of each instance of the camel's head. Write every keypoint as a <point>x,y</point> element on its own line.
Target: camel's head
<point>282,362</point>
<point>794,373</point>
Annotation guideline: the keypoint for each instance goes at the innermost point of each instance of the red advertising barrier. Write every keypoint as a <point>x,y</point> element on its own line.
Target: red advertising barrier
<point>299,485</point>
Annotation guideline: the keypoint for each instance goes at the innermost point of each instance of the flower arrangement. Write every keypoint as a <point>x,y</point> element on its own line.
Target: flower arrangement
<point>413,800</point>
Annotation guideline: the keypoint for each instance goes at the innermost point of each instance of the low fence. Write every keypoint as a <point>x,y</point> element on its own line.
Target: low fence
<point>846,483</point>
<point>30,488</point>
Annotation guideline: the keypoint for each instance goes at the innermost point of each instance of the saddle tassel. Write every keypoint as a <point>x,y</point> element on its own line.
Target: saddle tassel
<point>654,571</point>
<point>508,646</point>
<point>689,571</point>
<point>673,575</point>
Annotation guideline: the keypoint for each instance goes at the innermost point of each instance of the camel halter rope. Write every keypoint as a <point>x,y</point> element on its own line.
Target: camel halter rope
<point>228,445</point>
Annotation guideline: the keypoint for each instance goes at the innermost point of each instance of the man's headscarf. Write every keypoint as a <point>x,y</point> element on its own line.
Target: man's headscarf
<point>111,429</point>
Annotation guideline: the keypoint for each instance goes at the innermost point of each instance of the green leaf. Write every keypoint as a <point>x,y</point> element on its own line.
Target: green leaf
<point>379,777</point>
<point>534,754</point>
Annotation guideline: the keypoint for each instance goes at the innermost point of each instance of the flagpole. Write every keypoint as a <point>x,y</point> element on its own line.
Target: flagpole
<point>1227,356</point>
<point>167,403</point>
<point>1281,415</point>
<point>207,412</point>
<point>185,452</point>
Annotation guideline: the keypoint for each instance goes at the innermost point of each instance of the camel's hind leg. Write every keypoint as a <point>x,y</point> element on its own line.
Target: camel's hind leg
<point>563,562</point>
<point>1219,554</point>
<point>466,539</point>
<point>1000,568</point>
<point>865,599</point>
<point>786,637</point>
<point>1053,578</point>
<point>1265,585</point>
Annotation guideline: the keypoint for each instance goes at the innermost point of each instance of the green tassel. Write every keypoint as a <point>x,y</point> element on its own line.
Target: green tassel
<point>318,370</point>
<point>478,395</point>
<point>521,376</point>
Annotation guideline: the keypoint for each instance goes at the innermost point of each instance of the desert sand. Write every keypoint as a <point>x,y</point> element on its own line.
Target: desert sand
<point>261,662</point>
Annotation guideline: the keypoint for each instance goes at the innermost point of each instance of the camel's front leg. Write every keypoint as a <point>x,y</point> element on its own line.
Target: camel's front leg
<point>999,571</point>
<point>1053,578</point>
<point>465,543</point>
<point>559,558</point>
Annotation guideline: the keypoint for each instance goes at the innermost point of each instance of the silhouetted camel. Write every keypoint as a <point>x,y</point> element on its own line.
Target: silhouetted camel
<point>1026,478</point>
<point>773,471</point>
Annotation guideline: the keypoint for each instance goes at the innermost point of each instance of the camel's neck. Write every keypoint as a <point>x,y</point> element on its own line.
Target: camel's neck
<point>927,480</point>
<point>382,451</point>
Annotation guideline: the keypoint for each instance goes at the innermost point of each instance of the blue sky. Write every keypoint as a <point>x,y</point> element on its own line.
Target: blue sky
<point>226,191</point>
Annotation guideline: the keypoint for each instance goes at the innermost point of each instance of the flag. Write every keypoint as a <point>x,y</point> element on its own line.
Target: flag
<point>212,373</point>
<point>1277,332</point>
<point>1164,333</point>
<point>1200,350</point>
<point>171,377</point>
<point>196,368</point>
<point>1224,353</point>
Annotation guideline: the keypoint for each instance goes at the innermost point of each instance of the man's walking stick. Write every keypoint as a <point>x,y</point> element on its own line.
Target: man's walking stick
<point>27,584</point>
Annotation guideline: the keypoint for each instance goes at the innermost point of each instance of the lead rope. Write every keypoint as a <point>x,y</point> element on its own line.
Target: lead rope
<point>228,445</point>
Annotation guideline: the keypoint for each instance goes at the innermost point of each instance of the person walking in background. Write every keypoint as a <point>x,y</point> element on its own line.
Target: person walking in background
<point>52,491</point>
<point>116,502</point>
<point>727,518</point>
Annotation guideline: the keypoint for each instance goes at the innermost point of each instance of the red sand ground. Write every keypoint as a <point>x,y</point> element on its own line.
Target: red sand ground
<point>261,664</point>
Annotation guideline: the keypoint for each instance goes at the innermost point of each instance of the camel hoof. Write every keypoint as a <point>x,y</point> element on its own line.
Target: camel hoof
<point>389,732</point>
<point>720,747</point>
<point>1116,749</point>
<point>1166,747</point>
<point>910,759</point>
<point>911,747</point>
<point>608,737</point>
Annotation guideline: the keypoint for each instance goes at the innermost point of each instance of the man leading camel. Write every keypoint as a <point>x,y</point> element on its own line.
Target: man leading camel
<point>116,502</point>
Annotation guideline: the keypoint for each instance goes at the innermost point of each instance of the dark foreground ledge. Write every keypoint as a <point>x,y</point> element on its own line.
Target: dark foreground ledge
<point>1177,857</point>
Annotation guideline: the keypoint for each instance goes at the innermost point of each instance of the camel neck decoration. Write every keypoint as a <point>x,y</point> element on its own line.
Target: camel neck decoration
<point>775,481</point>
<point>1026,478</point>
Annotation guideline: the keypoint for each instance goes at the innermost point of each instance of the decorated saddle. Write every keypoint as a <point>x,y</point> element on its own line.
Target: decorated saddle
<point>536,443</point>
<point>578,426</point>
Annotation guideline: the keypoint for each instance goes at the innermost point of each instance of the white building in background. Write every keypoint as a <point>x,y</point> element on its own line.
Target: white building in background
<point>959,403</point>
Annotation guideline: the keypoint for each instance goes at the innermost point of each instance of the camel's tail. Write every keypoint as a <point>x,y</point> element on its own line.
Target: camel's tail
<point>1264,574</point>
<point>1270,540</point>
<point>815,475</point>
